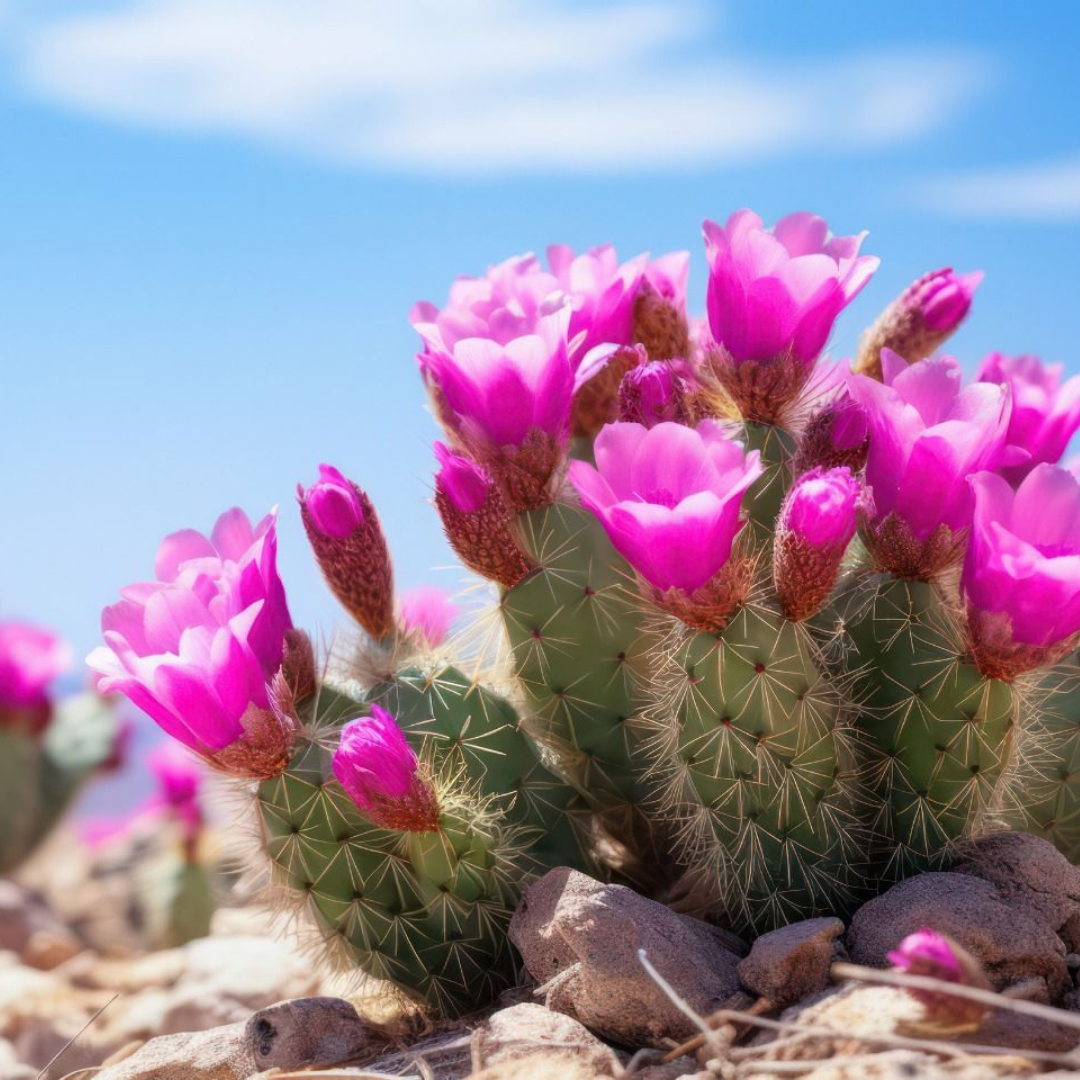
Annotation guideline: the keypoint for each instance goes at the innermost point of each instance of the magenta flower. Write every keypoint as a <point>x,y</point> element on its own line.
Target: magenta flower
<point>1021,577</point>
<point>669,498</point>
<point>817,521</point>
<point>508,302</point>
<point>836,435</point>
<point>347,538</point>
<point>30,659</point>
<point>180,779</point>
<point>428,612</point>
<point>197,648</point>
<point>773,297</point>
<point>379,772</point>
<point>929,954</point>
<point>920,319</point>
<point>927,435</point>
<point>476,519</point>
<point>1045,412</point>
<point>332,501</point>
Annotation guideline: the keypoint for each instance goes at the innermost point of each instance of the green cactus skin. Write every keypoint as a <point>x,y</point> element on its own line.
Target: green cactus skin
<point>575,631</point>
<point>427,912</point>
<point>777,448</point>
<point>941,732</point>
<point>40,777</point>
<point>760,770</point>
<point>1044,793</point>
<point>180,895</point>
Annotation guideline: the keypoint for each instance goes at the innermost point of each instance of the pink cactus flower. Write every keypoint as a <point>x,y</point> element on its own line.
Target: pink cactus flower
<point>347,538</point>
<point>817,521</point>
<point>776,293</point>
<point>669,498</point>
<point>942,298</point>
<point>332,501</point>
<point>1045,412</point>
<point>927,435</point>
<point>379,772</point>
<point>1021,576</point>
<point>929,954</point>
<point>30,659</point>
<point>657,391</point>
<point>508,302</point>
<point>836,435</point>
<point>428,612</point>
<point>180,780</point>
<point>197,648</point>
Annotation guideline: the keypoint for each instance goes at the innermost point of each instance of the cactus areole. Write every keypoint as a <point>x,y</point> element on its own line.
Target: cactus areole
<point>771,629</point>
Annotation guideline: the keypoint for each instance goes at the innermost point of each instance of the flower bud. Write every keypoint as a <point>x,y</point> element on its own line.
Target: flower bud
<point>476,519</point>
<point>836,435</point>
<point>921,319</point>
<point>333,504</point>
<point>655,392</point>
<point>379,772</point>
<point>927,953</point>
<point>350,549</point>
<point>817,521</point>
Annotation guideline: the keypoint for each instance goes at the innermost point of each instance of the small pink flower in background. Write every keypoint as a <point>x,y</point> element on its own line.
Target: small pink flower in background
<point>1021,577</point>
<point>197,648</point>
<point>930,954</point>
<point>669,498</point>
<point>508,302</point>
<point>428,612</point>
<point>31,657</point>
<point>476,519</point>
<point>380,773</point>
<point>332,501</point>
<point>777,293</point>
<point>817,522</point>
<point>347,538</point>
<point>180,779</point>
<point>1045,411</point>
<point>928,433</point>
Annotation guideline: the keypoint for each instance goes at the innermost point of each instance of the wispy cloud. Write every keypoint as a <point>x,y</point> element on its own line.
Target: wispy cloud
<point>480,85</point>
<point>1046,190</point>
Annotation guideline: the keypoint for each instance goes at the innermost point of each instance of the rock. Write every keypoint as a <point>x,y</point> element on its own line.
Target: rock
<point>1029,873</point>
<point>526,1030</point>
<point>309,1031</point>
<point>1012,944</point>
<point>29,929</point>
<point>549,1067</point>
<point>10,1067</point>
<point>588,934</point>
<point>793,962</point>
<point>291,1035</point>
<point>911,1065</point>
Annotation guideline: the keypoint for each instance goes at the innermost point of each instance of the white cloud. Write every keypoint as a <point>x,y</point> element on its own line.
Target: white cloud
<point>479,85</point>
<point>1048,190</point>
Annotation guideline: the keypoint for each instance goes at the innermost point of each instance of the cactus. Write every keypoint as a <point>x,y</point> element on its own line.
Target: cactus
<point>704,683</point>
<point>42,771</point>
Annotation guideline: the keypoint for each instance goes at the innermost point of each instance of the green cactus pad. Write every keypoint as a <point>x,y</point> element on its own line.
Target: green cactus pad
<point>40,776</point>
<point>941,732</point>
<point>575,630</point>
<point>427,913</point>
<point>760,772</point>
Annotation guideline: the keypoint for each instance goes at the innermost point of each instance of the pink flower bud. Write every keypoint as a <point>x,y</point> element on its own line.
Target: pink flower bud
<point>932,955</point>
<point>379,771</point>
<point>835,435</point>
<point>920,320</point>
<point>476,519</point>
<point>333,504</point>
<point>816,524</point>
<point>355,561</point>
<point>655,392</point>
<point>427,612</point>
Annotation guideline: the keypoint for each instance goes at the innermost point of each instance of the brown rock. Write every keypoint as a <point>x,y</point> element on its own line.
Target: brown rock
<point>549,1067</point>
<point>790,963</point>
<point>530,1029</point>
<point>1011,943</point>
<point>219,1054</point>
<point>583,937</point>
<point>29,929</point>
<point>1029,873</point>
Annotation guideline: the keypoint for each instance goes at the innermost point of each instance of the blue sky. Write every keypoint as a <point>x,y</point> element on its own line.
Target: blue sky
<point>215,215</point>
